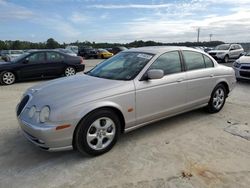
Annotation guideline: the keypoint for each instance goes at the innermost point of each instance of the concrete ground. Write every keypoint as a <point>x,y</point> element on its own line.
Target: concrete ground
<point>189,150</point>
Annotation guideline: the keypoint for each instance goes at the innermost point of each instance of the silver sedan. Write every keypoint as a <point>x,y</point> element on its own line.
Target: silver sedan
<point>135,87</point>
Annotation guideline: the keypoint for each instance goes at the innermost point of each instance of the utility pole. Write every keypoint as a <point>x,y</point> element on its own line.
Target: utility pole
<point>210,36</point>
<point>198,34</point>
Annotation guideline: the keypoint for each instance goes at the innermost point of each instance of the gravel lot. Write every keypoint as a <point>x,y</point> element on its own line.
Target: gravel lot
<point>189,150</point>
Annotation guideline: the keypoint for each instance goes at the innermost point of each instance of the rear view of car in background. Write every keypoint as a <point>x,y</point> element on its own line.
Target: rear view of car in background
<point>242,67</point>
<point>104,54</point>
<point>88,52</point>
<point>73,48</point>
<point>39,64</point>
<point>67,51</point>
<point>225,52</point>
<point>118,49</point>
<point>10,55</point>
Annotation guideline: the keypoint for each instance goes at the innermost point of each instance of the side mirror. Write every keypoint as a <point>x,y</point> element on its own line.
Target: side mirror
<point>155,74</point>
<point>26,61</point>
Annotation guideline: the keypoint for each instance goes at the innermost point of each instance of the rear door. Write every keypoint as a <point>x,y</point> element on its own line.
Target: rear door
<point>161,97</point>
<point>54,63</point>
<point>33,66</point>
<point>200,77</point>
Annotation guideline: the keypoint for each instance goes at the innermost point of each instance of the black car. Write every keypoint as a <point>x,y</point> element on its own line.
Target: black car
<point>118,49</point>
<point>39,64</point>
<point>88,53</point>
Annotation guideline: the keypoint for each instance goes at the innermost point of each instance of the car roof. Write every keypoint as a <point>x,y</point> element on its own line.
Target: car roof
<point>160,49</point>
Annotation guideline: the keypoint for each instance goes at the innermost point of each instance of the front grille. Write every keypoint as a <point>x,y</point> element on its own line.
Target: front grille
<point>22,104</point>
<point>245,74</point>
<point>245,67</point>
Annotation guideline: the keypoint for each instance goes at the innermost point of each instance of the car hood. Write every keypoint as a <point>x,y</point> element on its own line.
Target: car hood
<point>218,51</point>
<point>76,90</point>
<point>244,59</point>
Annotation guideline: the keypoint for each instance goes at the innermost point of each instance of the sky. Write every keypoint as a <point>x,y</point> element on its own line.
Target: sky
<point>125,20</point>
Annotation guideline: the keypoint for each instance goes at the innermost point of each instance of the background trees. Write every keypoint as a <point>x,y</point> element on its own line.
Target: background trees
<point>52,43</point>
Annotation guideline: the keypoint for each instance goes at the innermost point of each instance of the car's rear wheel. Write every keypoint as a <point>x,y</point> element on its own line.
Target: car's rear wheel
<point>226,59</point>
<point>69,71</point>
<point>218,99</point>
<point>97,133</point>
<point>7,78</point>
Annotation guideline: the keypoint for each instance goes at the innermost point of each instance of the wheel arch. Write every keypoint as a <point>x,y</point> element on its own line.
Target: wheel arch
<point>113,108</point>
<point>225,84</point>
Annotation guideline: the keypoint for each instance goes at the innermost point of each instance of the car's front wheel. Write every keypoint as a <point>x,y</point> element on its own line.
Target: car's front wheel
<point>226,59</point>
<point>69,71</point>
<point>97,133</point>
<point>7,78</point>
<point>218,99</point>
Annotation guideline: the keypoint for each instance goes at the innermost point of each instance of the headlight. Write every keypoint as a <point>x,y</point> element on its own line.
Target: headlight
<point>32,111</point>
<point>44,114</point>
<point>236,64</point>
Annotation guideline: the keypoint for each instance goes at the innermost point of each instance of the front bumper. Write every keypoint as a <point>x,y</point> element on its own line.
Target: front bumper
<point>218,56</point>
<point>242,73</point>
<point>47,137</point>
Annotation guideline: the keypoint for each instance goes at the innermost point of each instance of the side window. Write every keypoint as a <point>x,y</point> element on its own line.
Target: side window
<point>169,62</point>
<point>36,57</point>
<point>208,61</point>
<point>193,60</point>
<point>54,56</point>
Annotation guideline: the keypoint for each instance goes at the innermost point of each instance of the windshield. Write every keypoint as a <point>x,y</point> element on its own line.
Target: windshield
<point>223,47</point>
<point>20,57</point>
<point>124,66</point>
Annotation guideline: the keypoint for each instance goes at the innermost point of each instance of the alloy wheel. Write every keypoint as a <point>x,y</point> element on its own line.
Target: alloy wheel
<point>218,98</point>
<point>8,78</point>
<point>70,71</point>
<point>101,133</point>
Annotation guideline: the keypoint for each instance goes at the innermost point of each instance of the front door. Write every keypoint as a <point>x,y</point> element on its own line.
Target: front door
<point>162,97</point>
<point>33,66</point>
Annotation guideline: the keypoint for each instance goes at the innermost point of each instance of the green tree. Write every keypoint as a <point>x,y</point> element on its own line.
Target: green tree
<point>51,44</point>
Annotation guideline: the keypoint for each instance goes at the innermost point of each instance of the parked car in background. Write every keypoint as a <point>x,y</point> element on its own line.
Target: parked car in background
<point>9,55</point>
<point>104,54</point>
<point>118,49</point>
<point>242,67</point>
<point>88,52</point>
<point>39,64</point>
<point>73,48</point>
<point>129,90</point>
<point>67,51</point>
<point>225,52</point>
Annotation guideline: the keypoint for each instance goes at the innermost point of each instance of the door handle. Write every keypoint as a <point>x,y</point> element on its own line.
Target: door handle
<point>212,75</point>
<point>180,80</point>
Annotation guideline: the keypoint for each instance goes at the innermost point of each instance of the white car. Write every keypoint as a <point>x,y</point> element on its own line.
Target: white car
<point>225,52</point>
<point>129,90</point>
<point>242,67</point>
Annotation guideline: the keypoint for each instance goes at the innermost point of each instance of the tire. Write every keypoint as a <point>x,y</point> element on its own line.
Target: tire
<point>102,56</point>
<point>218,99</point>
<point>7,78</point>
<point>69,71</point>
<point>91,134</point>
<point>226,59</point>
